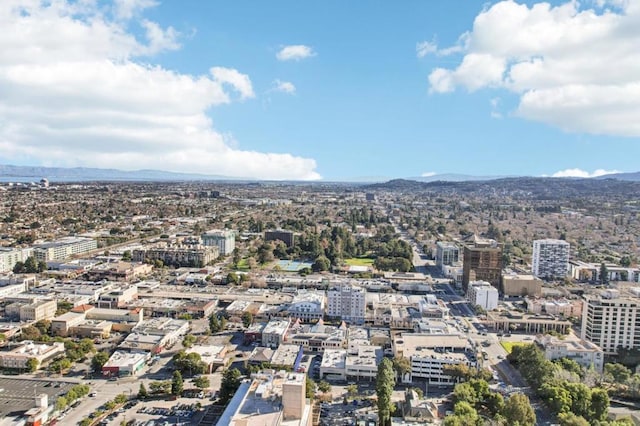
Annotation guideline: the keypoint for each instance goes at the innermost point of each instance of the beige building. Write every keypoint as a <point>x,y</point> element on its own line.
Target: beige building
<point>560,307</point>
<point>521,285</point>
<point>37,310</point>
<point>581,351</point>
<point>18,357</point>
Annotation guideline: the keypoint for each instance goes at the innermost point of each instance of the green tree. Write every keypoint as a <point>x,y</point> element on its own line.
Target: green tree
<point>310,388</point>
<point>202,382</point>
<point>352,390</point>
<point>61,403</point>
<point>385,380</point>
<point>321,264</point>
<point>557,397</point>
<point>617,373</point>
<point>463,415</point>
<point>401,366</point>
<point>142,391</point>
<point>324,387</point>
<point>160,387</point>
<point>120,398</point>
<point>126,256</point>
<point>599,404</point>
<point>177,384</point>
<point>230,383</point>
<point>604,274</point>
<point>188,340</point>
<point>580,398</point>
<point>570,419</point>
<point>247,319</point>
<point>518,411</point>
<point>32,365</point>
<point>99,360</point>
<point>494,403</point>
<point>464,392</point>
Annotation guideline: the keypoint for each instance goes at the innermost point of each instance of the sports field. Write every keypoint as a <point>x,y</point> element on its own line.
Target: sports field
<point>359,261</point>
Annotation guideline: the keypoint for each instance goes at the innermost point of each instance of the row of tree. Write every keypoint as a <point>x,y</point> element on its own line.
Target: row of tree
<point>29,266</point>
<point>559,384</point>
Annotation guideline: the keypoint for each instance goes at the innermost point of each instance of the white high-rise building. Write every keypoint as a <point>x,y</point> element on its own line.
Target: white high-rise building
<point>550,258</point>
<point>447,254</point>
<point>611,320</point>
<point>225,240</point>
<point>347,302</point>
<point>483,294</point>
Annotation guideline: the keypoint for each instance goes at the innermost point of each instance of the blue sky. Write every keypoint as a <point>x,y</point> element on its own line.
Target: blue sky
<point>367,89</point>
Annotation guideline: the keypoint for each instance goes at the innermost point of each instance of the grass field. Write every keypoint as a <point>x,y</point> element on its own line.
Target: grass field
<point>243,265</point>
<point>508,346</point>
<point>359,261</point>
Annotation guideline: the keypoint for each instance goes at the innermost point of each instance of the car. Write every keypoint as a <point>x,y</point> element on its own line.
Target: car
<point>93,394</point>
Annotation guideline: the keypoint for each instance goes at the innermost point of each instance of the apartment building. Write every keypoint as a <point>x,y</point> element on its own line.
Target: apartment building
<point>550,259</point>
<point>63,248</point>
<point>223,239</point>
<point>611,320</point>
<point>482,262</point>
<point>482,294</point>
<point>347,302</point>
<point>581,351</point>
<point>197,257</point>
<point>9,256</point>
<point>521,285</point>
<point>274,332</point>
<point>35,310</point>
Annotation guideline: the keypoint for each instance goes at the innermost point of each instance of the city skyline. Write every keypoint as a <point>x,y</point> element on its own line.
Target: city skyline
<point>333,91</point>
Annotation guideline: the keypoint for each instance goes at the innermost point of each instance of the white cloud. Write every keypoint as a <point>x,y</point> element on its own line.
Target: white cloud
<point>426,47</point>
<point>76,92</point>
<point>240,82</point>
<point>295,53</point>
<point>572,66</point>
<point>126,9</point>
<point>582,173</point>
<point>284,87</point>
<point>428,174</point>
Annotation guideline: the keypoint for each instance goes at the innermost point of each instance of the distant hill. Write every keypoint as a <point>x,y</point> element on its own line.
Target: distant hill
<point>542,188</point>
<point>453,177</point>
<point>632,176</point>
<point>78,174</point>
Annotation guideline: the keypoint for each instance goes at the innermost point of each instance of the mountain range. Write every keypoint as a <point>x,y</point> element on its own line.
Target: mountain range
<point>80,174</point>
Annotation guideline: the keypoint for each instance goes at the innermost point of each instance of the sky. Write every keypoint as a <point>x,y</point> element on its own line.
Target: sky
<point>322,90</point>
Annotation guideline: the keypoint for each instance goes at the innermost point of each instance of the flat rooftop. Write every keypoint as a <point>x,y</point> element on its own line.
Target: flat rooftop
<point>17,394</point>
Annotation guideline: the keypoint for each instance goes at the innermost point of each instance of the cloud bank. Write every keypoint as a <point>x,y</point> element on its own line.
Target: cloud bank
<point>573,67</point>
<point>79,89</point>
<point>582,173</point>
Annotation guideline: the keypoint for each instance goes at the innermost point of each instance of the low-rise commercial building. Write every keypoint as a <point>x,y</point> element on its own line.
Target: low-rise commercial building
<point>274,332</point>
<point>307,305</point>
<point>520,285</point>
<point>18,358</point>
<point>122,364</point>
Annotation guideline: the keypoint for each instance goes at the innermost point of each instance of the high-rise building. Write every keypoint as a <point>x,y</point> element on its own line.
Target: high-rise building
<point>611,320</point>
<point>446,254</point>
<point>482,262</point>
<point>347,302</point>
<point>550,258</point>
<point>286,237</point>
<point>225,240</point>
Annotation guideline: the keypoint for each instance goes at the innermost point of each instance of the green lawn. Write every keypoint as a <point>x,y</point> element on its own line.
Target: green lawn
<point>359,261</point>
<point>243,265</point>
<point>508,346</point>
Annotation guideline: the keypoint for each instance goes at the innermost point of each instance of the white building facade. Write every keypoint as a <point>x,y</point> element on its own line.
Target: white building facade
<point>347,302</point>
<point>550,259</point>
<point>224,239</point>
<point>611,321</point>
<point>483,294</point>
